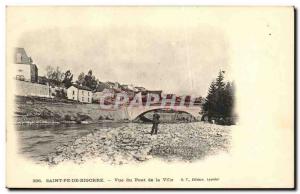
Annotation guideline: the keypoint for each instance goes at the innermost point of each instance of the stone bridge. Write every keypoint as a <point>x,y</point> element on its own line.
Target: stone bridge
<point>134,112</point>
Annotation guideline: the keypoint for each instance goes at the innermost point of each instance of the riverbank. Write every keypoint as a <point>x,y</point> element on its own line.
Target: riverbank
<point>36,110</point>
<point>133,144</point>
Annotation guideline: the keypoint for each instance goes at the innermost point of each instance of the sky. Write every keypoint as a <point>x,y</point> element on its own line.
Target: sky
<point>173,51</point>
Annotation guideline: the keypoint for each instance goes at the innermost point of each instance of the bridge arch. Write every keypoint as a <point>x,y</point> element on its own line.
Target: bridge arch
<point>135,112</point>
<point>141,116</point>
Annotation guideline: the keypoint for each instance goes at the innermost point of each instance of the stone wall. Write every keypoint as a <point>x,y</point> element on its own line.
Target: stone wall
<point>24,88</point>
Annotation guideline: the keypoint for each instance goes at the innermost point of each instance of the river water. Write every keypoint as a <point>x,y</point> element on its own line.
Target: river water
<point>37,141</point>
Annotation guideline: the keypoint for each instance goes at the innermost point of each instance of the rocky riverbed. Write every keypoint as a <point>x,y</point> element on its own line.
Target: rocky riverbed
<point>133,144</point>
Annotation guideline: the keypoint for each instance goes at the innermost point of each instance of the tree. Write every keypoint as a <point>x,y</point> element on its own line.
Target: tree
<point>81,80</point>
<point>54,75</point>
<point>220,80</point>
<point>88,80</point>
<point>210,103</point>
<point>68,77</point>
<point>220,98</point>
<point>219,94</point>
<point>229,99</point>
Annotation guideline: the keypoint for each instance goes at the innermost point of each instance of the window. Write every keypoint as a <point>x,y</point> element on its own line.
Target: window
<point>82,91</point>
<point>88,93</point>
<point>73,98</point>
<point>82,99</point>
<point>73,93</point>
<point>88,99</point>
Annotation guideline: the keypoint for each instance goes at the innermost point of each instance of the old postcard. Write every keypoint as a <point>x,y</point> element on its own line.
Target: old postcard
<point>150,97</point>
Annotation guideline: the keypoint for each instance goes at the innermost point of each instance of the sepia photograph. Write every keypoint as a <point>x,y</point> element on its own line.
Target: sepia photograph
<point>150,97</point>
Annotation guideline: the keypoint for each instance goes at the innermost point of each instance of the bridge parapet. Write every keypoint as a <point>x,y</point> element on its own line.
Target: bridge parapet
<point>134,112</point>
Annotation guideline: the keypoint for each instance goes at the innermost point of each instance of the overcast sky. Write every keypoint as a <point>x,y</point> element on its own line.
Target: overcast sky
<point>160,51</point>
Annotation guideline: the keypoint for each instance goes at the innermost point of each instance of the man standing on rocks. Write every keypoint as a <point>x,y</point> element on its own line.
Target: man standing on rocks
<point>155,122</point>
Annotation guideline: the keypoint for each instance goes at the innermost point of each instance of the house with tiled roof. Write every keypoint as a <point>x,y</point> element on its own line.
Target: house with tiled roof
<point>79,93</point>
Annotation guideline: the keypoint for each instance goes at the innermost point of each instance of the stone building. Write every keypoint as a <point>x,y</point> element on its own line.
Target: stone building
<point>105,93</point>
<point>79,93</point>
<point>25,69</point>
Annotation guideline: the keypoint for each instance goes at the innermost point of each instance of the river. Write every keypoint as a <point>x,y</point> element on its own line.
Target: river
<point>37,141</point>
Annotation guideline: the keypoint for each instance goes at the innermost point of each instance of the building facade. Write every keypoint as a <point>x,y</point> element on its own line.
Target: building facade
<point>98,95</point>
<point>79,93</point>
<point>25,69</point>
<point>113,85</point>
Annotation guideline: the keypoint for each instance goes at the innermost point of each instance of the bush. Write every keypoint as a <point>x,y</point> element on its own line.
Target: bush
<point>67,118</point>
